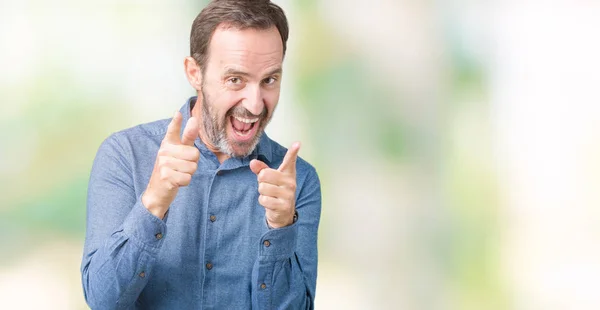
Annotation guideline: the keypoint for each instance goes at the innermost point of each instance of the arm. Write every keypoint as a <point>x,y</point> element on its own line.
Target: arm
<point>122,236</point>
<point>288,265</point>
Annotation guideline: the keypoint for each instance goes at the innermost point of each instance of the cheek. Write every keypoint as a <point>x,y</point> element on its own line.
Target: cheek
<point>271,100</point>
<point>224,103</point>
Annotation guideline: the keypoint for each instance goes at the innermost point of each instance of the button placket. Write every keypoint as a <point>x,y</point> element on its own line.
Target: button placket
<point>210,233</point>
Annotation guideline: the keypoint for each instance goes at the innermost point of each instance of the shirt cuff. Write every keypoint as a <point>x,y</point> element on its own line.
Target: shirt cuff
<point>142,226</point>
<point>278,243</point>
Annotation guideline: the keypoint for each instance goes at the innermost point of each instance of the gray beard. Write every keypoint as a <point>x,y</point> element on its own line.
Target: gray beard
<point>217,134</point>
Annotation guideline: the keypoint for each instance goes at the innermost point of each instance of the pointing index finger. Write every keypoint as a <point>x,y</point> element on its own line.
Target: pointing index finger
<point>174,129</point>
<point>289,161</point>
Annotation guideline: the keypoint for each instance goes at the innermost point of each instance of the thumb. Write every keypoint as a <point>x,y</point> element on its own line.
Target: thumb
<point>256,166</point>
<point>190,132</point>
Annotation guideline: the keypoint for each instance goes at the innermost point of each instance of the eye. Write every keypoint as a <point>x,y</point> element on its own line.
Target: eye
<point>270,80</point>
<point>234,80</point>
<point>235,83</point>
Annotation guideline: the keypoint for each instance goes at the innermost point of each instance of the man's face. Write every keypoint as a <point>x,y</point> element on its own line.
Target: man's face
<point>240,87</point>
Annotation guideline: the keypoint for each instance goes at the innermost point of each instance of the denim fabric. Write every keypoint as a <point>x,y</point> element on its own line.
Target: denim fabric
<point>209,252</point>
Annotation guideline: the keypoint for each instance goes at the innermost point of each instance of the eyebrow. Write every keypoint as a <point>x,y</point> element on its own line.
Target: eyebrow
<point>277,70</point>
<point>234,71</point>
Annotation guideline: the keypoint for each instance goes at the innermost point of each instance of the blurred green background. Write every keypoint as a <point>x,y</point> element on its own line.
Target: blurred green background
<point>457,142</point>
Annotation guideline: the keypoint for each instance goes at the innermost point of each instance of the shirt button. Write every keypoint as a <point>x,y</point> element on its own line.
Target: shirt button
<point>209,266</point>
<point>158,236</point>
<point>219,172</point>
<point>213,218</point>
<point>267,243</point>
<point>263,286</point>
<point>142,274</point>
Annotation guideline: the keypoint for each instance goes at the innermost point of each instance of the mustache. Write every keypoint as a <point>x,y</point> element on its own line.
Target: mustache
<point>240,111</point>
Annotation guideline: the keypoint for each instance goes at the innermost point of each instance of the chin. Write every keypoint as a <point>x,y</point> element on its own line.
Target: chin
<point>242,149</point>
<point>241,153</point>
<point>241,144</point>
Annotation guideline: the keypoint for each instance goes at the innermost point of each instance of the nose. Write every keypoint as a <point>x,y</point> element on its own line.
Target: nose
<point>254,100</point>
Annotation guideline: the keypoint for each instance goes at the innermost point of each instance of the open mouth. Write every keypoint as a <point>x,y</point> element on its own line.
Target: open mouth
<point>244,128</point>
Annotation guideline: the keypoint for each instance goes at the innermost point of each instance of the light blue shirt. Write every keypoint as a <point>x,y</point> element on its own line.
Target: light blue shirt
<point>213,250</point>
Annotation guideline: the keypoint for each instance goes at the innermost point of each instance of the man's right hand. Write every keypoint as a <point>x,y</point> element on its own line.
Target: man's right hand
<point>176,162</point>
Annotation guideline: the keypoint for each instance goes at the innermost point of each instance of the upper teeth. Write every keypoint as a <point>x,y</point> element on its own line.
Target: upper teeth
<point>246,120</point>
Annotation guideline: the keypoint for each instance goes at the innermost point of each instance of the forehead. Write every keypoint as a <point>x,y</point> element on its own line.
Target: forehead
<point>250,49</point>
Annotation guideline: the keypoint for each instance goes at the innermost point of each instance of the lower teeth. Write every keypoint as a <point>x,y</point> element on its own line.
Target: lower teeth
<point>242,133</point>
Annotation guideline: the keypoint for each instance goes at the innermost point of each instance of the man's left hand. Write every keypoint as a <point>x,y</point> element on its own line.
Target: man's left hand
<point>277,188</point>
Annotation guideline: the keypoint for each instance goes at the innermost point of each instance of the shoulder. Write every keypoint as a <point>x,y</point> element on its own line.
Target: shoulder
<point>126,141</point>
<point>144,131</point>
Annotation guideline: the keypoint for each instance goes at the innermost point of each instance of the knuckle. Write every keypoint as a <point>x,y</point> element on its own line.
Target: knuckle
<point>162,151</point>
<point>289,196</point>
<point>163,160</point>
<point>186,179</point>
<point>164,173</point>
<point>195,154</point>
<point>263,175</point>
<point>170,186</point>
<point>262,199</point>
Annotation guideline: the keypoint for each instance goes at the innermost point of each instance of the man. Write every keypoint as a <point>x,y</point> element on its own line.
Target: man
<point>204,211</point>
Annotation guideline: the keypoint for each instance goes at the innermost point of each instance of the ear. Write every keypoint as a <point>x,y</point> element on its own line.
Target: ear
<point>193,73</point>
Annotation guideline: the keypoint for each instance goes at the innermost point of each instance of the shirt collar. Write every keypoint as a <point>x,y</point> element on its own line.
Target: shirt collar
<point>263,148</point>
